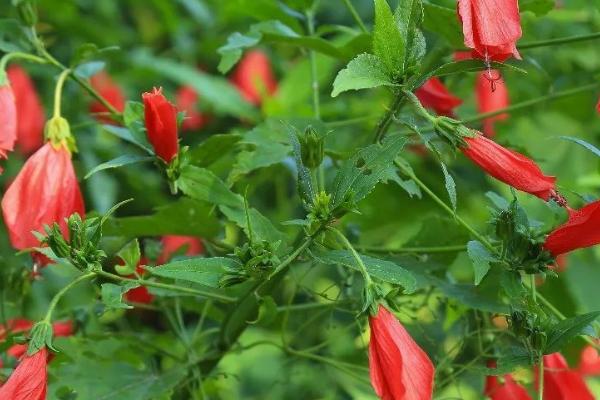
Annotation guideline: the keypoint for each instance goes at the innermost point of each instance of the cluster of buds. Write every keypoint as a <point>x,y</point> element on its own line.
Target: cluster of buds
<point>257,260</point>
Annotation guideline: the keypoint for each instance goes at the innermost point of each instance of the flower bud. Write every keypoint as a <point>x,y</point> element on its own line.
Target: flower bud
<point>27,13</point>
<point>311,148</point>
<point>161,124</point>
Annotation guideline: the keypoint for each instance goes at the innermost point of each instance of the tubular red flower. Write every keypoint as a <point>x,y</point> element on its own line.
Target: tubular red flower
<point>491,27</point>
<point>173,244</point>
<point>8,119</point>
<point>254,78</point>
<point>580,230</point>
<point>507,390</point>
<point>399,368</point>
<point>562,383</point>
<point>29,380</point>
<point>433,94</point>
<point>111,92</point>
<point>45,191</point>
<point>186,99</point>
<point>492,95</point>
<point>161,124</point>
<point>30,113</point>
<point>589,362</point>
<point>508,166</point>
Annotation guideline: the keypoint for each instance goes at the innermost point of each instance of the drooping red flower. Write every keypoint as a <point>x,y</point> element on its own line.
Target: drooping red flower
<point>187,99</point>
<point>492,95</point>
<point>589,362</point>
<point>20,325</point>
<point>508,389</point>
<point>580,230</point>
<point>29,380</point>
<point>8,117</point>
<point>111,92</point>
<point>399,368</point>
<point>44,192</point>
<point>562,383</point>
<point>508,166</point>
<point>254,78</point>
<point>433,94</point>
<point>491,27</point>
<point>174,243</point>
<point>161,124</point>
<point>30,113</point>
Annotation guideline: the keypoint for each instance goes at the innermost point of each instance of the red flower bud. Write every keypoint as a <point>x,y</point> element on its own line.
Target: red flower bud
<point>254,78</point>
<point>186,99</point>
<point>29,380</point>
<point>492,95</point>
<point>589,361</point>
<point>508,166</point>
<point>433,94</point>
<point>508,389</point>
<point>399,368</point>
<point>161,124</point>
<point>491,27</point>
<point>562,383</point>
<point>30,113</point>
<point>8,118</point>
<point>45,191</point>
<point>111,92</point>
<point>580,230</point>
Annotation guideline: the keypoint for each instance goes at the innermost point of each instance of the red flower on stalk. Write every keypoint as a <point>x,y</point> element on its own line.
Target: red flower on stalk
<point>491,27</point>
<point>399,368</point>
<point>30,113</point>
<point>19,325</point>
<point>111,92</point>
<point>562,383</point>
<point>161,124</point>
<point>8,117</point>
<point>186,99</point>
<point>254,78</point>
<point>492,95</point>
<point>44,192</point>
<point>29,380</point>
<point>580,230</point>
<point>508,389</point>
<point>433,94</point>
<point>510,167</point>
<point>589,362</point>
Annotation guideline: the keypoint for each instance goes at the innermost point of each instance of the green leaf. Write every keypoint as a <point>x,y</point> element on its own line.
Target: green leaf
<point>538,7</point>
<point>130,254</point>
<point>305,184</point>
<point>127,135</point>
<point>365,169</point>
<point>409,16</point>
<point>205,271</point>
<point>267,311</point>
<point>443,21</point>
<point>388,43</point>
<point>450,186</point>
<point>481,259</point>
<point>581,142</point>
<point>118,162</point>
<point>213,149</point>
<point>112,295</point>
<point>565,330</point>
<point>384,270</point>
<point>364,72</point>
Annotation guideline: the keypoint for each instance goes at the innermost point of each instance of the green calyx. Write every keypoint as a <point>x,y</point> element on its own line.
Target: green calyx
<point>58,132</point>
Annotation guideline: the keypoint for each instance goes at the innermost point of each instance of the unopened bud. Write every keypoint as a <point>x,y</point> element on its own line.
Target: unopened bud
<point>312,148</point>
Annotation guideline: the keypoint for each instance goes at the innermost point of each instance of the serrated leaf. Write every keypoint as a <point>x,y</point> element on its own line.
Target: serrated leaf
<point>204,271</point>
<point>384,270</point>
<point>112,295</point>
<point>388,43</point>
<point>581,142</point>
<point>364,72</point>
<point>450,186</point>
<point>305,185</point>
<point>365,169</point>
<point>118,162</point>
<point>481,259</point>
<point>130,254</point>
<point>213,148</point>
<point>565,330</point>
<point>409,16</point>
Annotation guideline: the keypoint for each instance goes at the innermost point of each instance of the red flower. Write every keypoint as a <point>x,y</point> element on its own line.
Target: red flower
<point>589,361</point>
<point>561,383</point>
<point>161,124</point>
<point>399,368</point>
<point>139,294</point>
<point>508,166</point>
<point>30,113</point>
<point>19,325</point>
<point>507,390</point>
<point>173,244</point>
<point>492,95</point>
<point>254,78</point>
<point>491,27</point>
<point>111,92</point>
<point>8,118</point>
<point>580,230</point>
<point>29,380</point>
<point>186,99</point>
<point>45,191</point>
<point>433,94</point>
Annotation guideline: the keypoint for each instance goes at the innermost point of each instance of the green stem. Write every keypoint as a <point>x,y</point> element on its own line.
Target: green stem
<point>554,42</point>
<point>355,15</point>
<point>182,289</point>
<point>58,91</point>
<point>540,394</point>
<point>426,249</point>
<point>310,17</point>
<point>388,117</point>
<point>307,242</point>
<point>24,56</point>
<point>359,261</point>
<point>533,290</point>
<point>61,293</point>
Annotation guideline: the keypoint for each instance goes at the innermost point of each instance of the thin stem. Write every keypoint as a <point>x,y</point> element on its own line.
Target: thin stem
<point>359,261</point>
<point>426,249</point>
<point>388,117</point>
<point>183,289</point>
<point>554,42</point>
<point>310,17</point>
<point>307,242</point>
<point>24,56</point>
<point>61,293</point>
<point>533,290</point>
<point>58,91</point>
<point>355,15</point>
<point>540,394</point>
